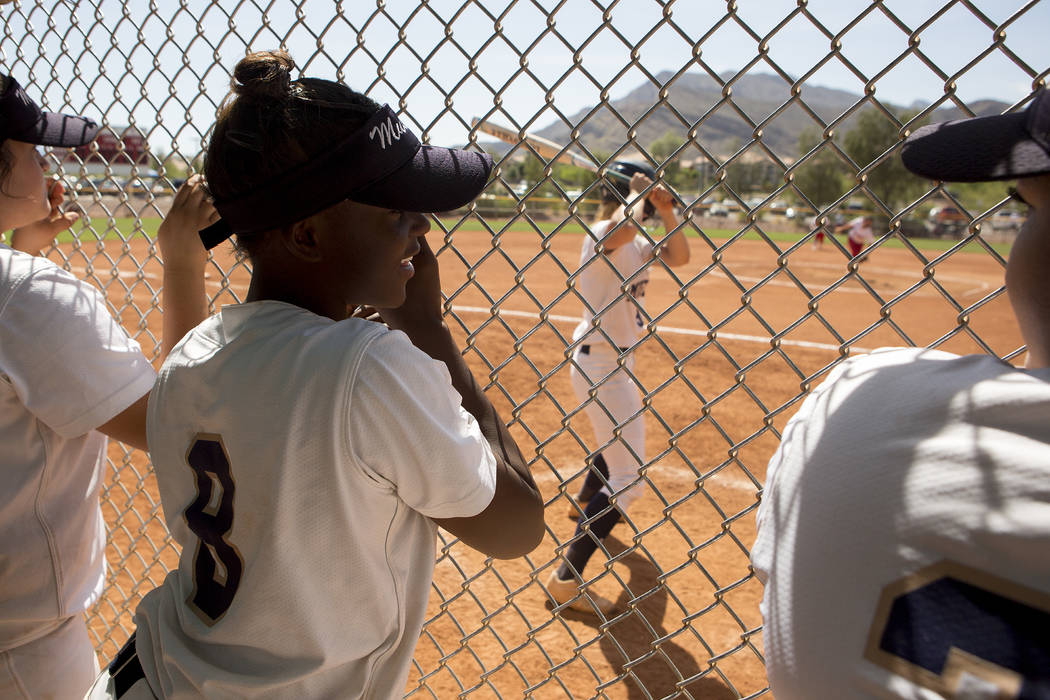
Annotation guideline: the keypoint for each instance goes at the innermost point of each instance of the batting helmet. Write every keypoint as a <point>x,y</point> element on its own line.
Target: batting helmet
<point>618,175</point>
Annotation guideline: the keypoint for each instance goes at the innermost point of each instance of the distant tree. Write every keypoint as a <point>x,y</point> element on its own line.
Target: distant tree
<point>978,197</point>
<point>527,169</point>
<point>534,169</point>
<point>512,172</point>
<point>749,176</point>
<point>572,176</point>
<point>173,165</point>
<point>822,177</point>
<point>679,178</point>
<point>683,180</point>
<point>663,147</point>
<point>872,136</point>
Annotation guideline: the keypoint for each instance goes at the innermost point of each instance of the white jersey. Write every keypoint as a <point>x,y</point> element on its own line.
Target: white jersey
<point>66,367</point>
<point>601,284</point>
<point>904,532</point>
<point>860,232</point>
<point>299,463</point>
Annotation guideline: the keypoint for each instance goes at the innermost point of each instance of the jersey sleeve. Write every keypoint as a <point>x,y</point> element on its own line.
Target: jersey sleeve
<point>800,434</point>
<point>69,361</point>
<point>645,248</point>
<point>407,428</point>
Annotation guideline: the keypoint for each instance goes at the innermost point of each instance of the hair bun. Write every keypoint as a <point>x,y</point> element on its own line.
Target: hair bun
<point>264,74</point>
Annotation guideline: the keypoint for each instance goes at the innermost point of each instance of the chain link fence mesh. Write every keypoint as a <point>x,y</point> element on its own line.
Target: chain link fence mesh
<point>732,342</point>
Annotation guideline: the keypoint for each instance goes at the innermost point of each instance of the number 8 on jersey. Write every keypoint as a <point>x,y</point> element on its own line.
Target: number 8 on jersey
<point>217,564</point>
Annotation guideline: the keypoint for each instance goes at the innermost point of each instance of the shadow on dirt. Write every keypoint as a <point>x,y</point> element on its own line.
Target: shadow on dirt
<point>652,670</point>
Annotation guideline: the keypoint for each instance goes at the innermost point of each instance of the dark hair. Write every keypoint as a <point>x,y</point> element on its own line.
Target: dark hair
<point>6,161</point>
<point>270,123</point>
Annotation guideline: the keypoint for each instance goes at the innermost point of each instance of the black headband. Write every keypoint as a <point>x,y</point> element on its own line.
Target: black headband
<point>382,164</point>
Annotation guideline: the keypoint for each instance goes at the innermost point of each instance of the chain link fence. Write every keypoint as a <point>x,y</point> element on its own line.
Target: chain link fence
<point>728,102</point>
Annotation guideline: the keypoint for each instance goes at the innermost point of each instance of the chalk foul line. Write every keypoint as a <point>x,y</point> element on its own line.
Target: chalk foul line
<point>671,330</point>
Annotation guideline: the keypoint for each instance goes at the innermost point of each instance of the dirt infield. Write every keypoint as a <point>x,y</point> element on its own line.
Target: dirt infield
<point>716,401</point>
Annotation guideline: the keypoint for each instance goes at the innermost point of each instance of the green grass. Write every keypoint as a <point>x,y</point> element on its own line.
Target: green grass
<point>130,228</point>
<point>718,235</point>
<point>126,226</point>
<point>925,244</point>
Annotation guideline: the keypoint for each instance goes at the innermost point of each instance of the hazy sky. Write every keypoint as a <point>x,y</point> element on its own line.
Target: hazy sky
<point>166,68</point>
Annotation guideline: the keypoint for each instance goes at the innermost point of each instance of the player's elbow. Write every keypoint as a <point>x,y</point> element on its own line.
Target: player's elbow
<point>519,525</point>
<point>510,526</point>
<point>674,257</point>
<point>525,534</point>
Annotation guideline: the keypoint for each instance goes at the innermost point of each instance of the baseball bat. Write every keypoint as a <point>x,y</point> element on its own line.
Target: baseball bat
<point>544,147</point>
<point>550,150</point>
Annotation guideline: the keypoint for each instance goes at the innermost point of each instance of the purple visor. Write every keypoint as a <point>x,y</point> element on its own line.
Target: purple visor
<point>21,119</point>
<point>381,164</point>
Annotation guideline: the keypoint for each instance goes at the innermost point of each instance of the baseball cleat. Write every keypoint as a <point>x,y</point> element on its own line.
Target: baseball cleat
<point>576,507</point>
<point>568,593</point>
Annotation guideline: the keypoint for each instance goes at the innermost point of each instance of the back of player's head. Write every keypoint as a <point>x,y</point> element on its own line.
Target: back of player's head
<point>284,149</point>
<point>1008,146</point>
<point>1000,147</point>
<point>618,176</point>
<point>269,123</point>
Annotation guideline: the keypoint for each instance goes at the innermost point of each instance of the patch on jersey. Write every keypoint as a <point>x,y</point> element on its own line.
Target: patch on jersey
<point>964,633</point>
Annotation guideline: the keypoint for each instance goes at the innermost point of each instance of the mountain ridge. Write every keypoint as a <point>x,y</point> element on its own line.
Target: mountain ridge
<point>756,99</point>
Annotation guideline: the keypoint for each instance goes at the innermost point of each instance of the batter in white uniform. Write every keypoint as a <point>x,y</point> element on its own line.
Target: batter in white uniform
<point>305,459</point>
<point>612,283</point>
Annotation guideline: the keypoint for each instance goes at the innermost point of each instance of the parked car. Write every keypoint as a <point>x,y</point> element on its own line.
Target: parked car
<point>798,212</point>
<point>779,207</point>
<point>101,184</point>
<point>947,214</point>
<point>946,222</point>
<point>1007,220</point>
<point>854,208</point>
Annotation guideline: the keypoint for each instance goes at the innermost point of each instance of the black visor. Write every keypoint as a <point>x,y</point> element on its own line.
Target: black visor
<point>22,120</point>
<point>381,164</point>
<point>1000,147</point>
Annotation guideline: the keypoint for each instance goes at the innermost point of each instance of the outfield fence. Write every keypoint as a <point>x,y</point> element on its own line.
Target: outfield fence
<point>732,342</point>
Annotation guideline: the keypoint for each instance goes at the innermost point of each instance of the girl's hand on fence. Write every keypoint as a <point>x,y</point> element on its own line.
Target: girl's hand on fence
<point>38,235</point>
<point>184,256</point>
<point>192,210</point>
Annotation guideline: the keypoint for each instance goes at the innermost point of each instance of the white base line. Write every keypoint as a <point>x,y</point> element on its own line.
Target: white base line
<point>81,271</point>
<point>661,329</point>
